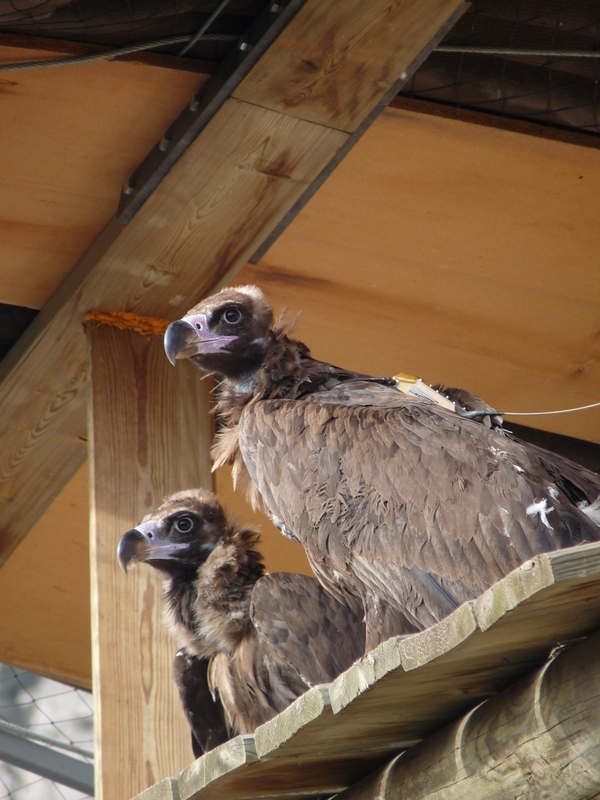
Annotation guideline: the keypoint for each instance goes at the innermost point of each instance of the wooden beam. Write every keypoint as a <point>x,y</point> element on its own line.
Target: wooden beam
<point>222,198</point>
<point>539,738</point>
<point>150,434</point>
<point>335,66</point>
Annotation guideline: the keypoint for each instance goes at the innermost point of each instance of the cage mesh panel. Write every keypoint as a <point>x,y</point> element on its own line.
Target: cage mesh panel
<point>121,22</point>
<point>561,92</point>
<point>51,708</point>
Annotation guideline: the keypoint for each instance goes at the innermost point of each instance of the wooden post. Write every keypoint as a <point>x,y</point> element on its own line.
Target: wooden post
<point>149,435</point>
<point>538,738</point>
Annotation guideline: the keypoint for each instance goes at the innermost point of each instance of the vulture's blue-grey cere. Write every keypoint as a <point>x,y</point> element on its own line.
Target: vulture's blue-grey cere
<point>404,508</point>
<point>250,643</point>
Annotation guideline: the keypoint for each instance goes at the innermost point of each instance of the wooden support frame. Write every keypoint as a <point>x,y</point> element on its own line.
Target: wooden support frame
<point>256,157</point>
<point>394,697</point>
<point>150,434</point>
<point>538,738</point>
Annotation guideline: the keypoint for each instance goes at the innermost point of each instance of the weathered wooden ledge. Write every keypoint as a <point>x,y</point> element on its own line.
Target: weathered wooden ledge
<point>405,689</point>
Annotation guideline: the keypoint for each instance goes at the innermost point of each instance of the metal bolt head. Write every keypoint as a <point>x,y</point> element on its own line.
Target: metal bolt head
<point>194,105</point>
<point>243,45</point>
<point>164,144</point>
<point>128,187</point>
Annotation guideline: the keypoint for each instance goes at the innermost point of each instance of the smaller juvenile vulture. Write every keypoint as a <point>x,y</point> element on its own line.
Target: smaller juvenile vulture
<point>405,507</point>
<point>251,641</point>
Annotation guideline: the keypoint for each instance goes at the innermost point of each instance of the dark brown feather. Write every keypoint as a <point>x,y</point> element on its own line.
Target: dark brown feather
<point>204,715</point>
<point>253,641</point>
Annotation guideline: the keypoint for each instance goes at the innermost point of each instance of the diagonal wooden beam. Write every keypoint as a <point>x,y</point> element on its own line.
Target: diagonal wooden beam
<point>251,162</point>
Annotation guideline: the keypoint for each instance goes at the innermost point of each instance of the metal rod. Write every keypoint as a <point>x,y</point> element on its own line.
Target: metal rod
<point>46,762</point>
<point>114,53</point>
<point>25,733</point>
<point>515,51</point>
<point>204,28</point>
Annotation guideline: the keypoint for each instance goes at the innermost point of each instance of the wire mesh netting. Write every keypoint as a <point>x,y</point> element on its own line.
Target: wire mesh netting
<point>47,709</point>
<point>552,90</point>
<point>118,23</point>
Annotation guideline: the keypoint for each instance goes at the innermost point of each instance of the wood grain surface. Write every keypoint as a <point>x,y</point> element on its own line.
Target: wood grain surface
<point>149,435</point>
<point>70,137</point>
<point>538,738</point>
<point>336,60</point>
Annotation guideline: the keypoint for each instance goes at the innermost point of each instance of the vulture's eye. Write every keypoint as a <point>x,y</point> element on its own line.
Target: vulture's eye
<point>232,315</point>
<point>184,524</point>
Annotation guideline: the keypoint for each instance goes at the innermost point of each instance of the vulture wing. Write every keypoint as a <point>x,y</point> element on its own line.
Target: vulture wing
<point>204,715</point>
<point>402,501</point>
<point>305,627</point>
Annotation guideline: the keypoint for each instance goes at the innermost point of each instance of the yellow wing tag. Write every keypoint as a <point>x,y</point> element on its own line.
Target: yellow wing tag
<point>410,384</point>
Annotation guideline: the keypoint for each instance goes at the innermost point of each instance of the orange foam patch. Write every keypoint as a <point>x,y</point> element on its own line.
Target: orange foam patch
<point>127,321</point>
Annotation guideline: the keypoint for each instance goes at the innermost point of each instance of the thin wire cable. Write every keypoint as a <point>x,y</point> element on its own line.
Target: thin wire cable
<point>493,413</point>
<point>515,51</point>
<point>545,413</point>
<point>25,733</point>
<point>122,51</point>
<point>197,36</point>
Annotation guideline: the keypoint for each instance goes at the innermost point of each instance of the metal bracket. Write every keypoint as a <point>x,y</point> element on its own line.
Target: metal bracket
<point>230,73</point>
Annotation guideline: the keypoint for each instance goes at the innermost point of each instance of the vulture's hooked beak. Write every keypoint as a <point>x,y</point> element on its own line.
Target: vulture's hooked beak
<point>145,543</point>
<point>191,336</point>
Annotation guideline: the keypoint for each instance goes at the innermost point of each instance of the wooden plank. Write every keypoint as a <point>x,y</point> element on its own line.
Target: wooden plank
<point>336,61</point>
<point>222,198</point>
<point>149,435</point>
<point>234,771</point>
<point>217,765</point>
<point>46,586</point>
<point>184,240</point>
<point>411,686</point>
<point>70,138</point>
<point>539,738</point>
<point>163,790</point>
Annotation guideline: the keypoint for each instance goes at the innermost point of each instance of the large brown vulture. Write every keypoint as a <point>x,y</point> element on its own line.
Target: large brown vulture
<point>254,642</point>
<point>403,506</point>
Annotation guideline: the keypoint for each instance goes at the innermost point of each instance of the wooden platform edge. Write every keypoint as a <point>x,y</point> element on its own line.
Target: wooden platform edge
<point>168,789</point>
<point>221,761</point>
<point>411,652</point>
<point>269,737</point>
<point>538,737</point>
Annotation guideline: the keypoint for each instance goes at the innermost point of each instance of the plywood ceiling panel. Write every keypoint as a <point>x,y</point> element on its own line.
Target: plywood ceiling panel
<point>45,593</point>
<point>69,138</point>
